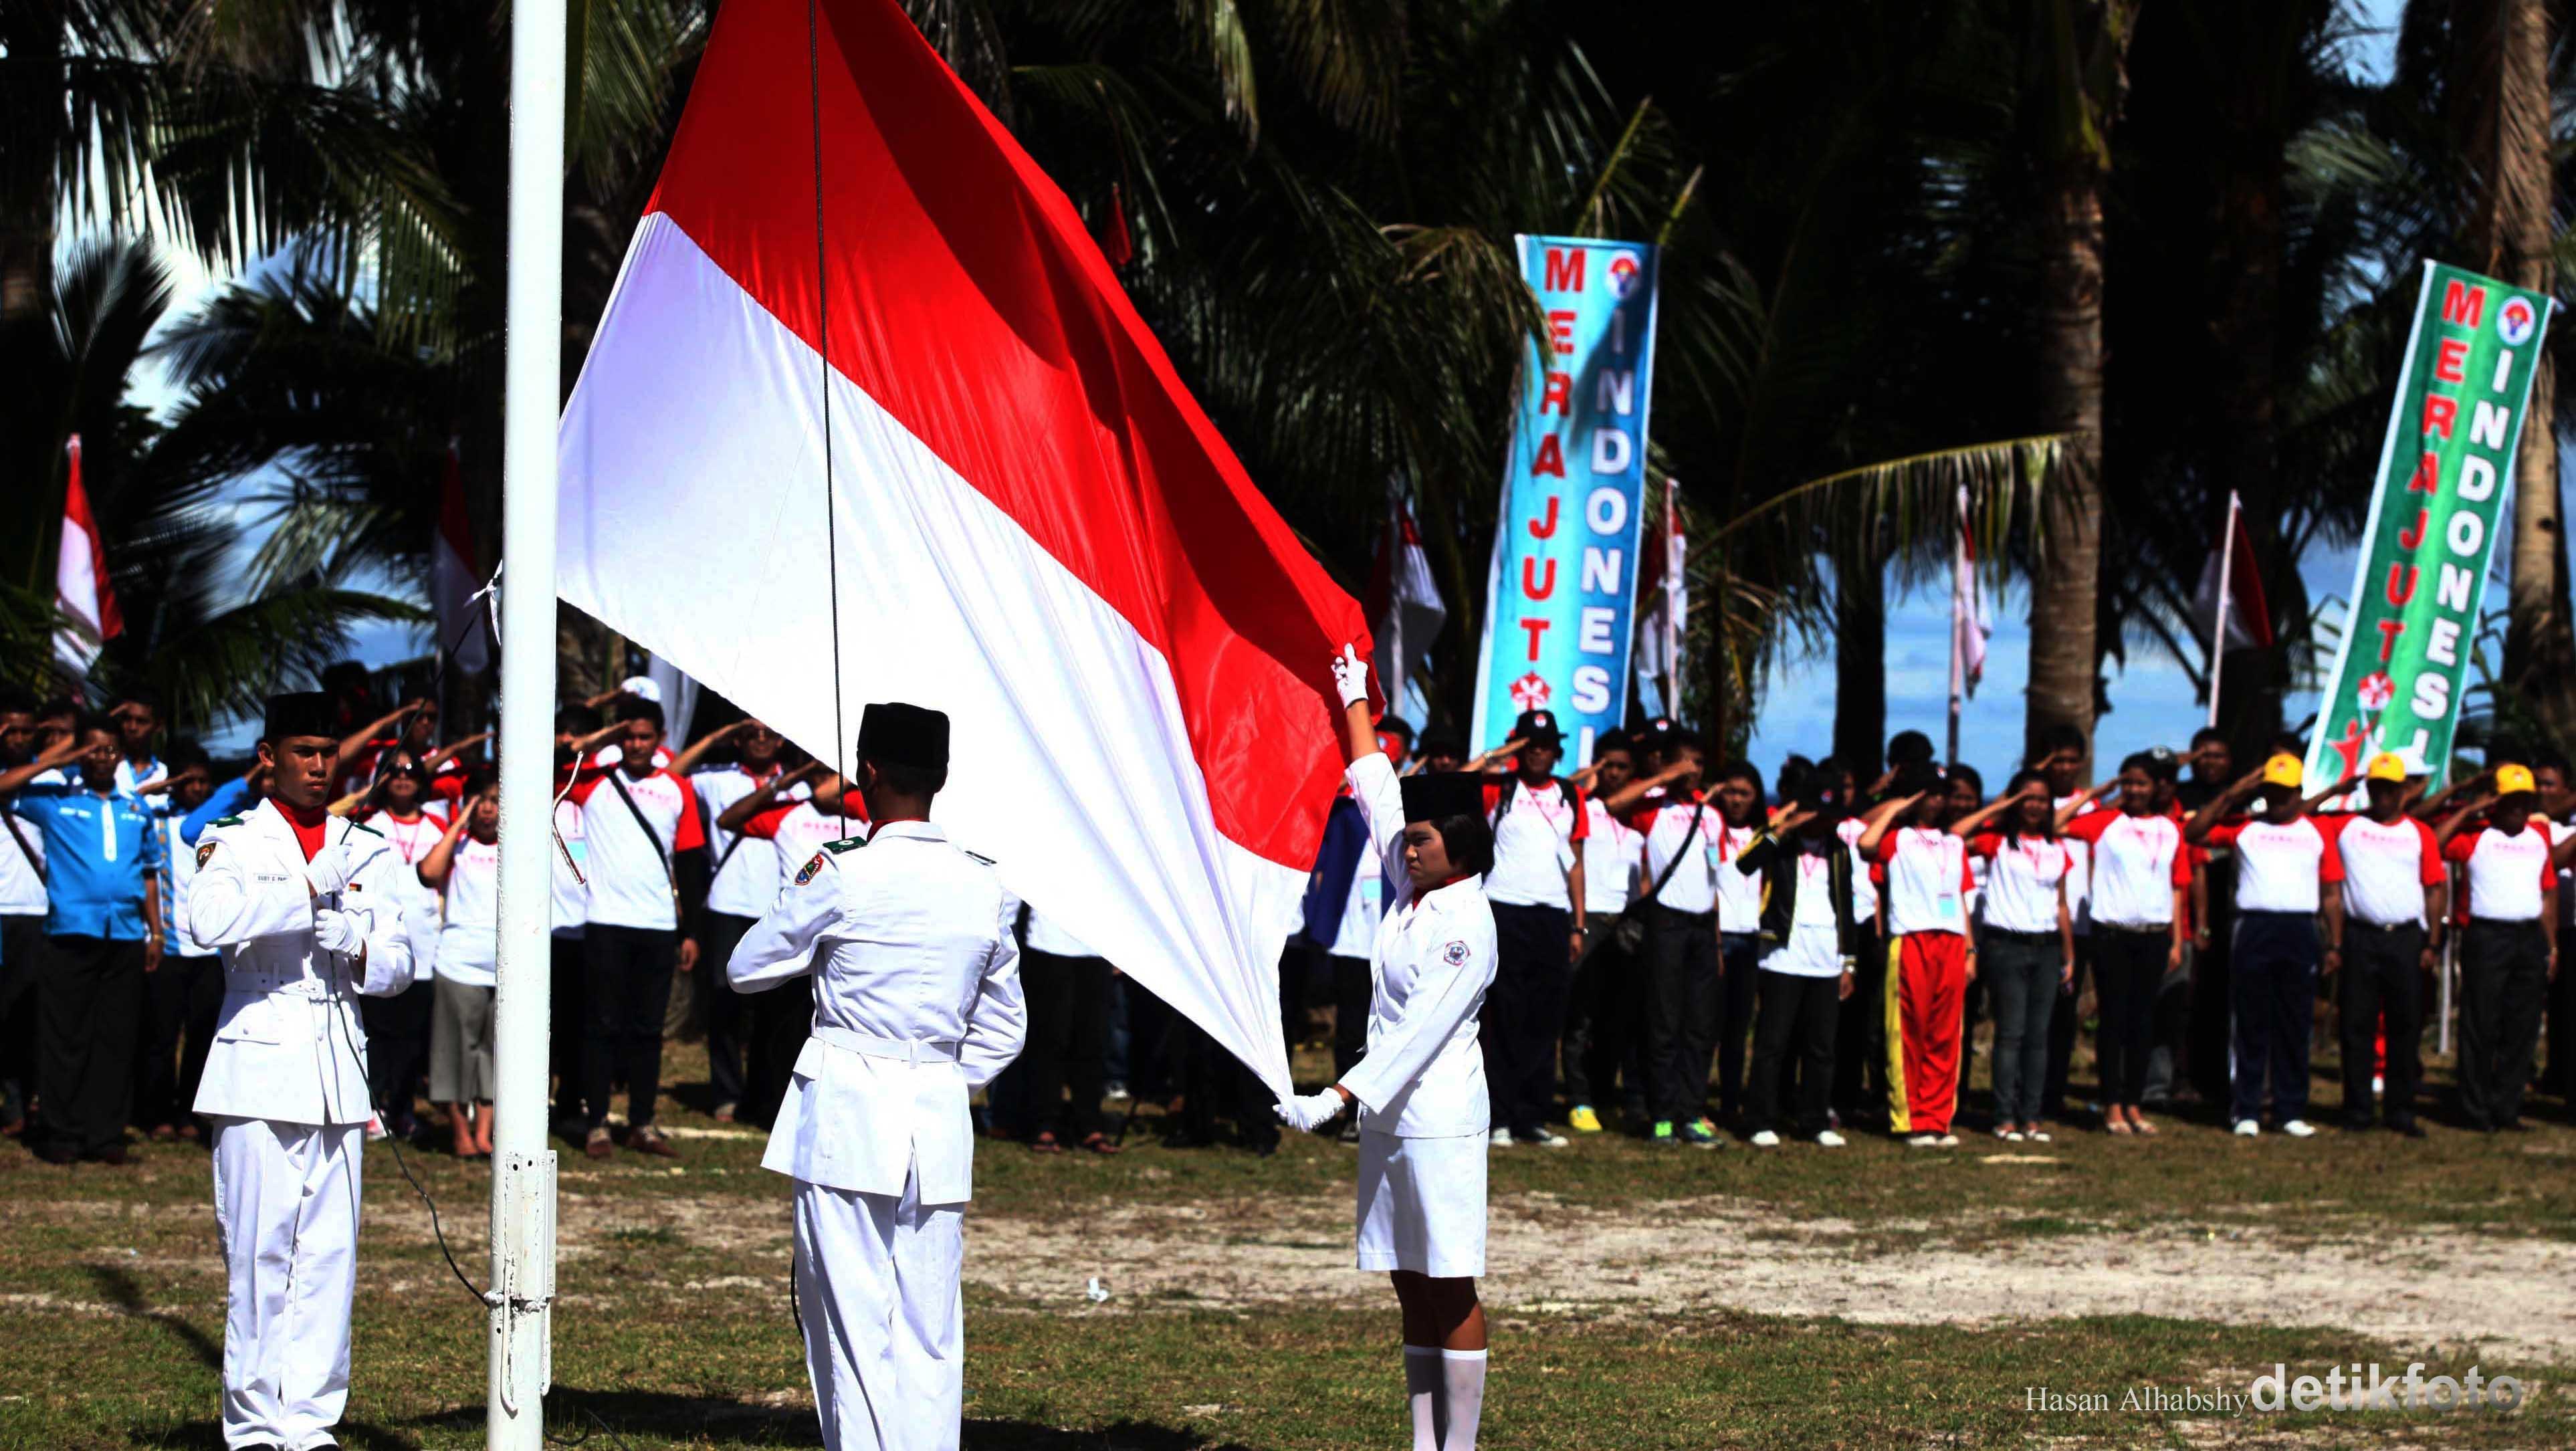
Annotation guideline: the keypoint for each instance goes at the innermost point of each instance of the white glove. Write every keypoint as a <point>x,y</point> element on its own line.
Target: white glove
<point>1350,675</point>
<point>1311,1111</point>
<point>331,869</point>
<point>340,932</point>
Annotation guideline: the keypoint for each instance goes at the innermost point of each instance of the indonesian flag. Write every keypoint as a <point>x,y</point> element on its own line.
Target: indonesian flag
<point>2232,573</point>
<point>81,590</point>
<point>1404,607</point>
<point>1663,593</point>
<point>463,626</point>
<point>1971,623</point>
<point>1028,524</point>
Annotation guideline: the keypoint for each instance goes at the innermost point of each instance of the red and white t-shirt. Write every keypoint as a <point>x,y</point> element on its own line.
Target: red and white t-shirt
<point>1664,820</point>
<point>469,928</point>
<point>1739,897</point>
<point>2137,861</point>
<point>2280,866</point>
<point>2386,867</point>
<point>2023,880</point>
<point>800,829</point>
<point>2079,874</point>
<point>630,886</point>
<point>1611,849</point>
<point>1537,832</point>
<point>412,839</point>
<point>1927,880</point>
<point>2505,876</point>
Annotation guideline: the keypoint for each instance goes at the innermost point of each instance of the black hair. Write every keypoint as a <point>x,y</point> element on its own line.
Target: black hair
<point>183,753</point>
<point>2057,736</point>
<point>576,719</point>
<point>386,771</point>
<point>2549,759</point>
<point>478,781</point>
<point>1608,741</point>
<point>2206,734</point>
<point>60,707</point>
<point>1396,726</point>
<point>1905,748</point>
<point>13,701</point>
<point>136,696</point>
<point>636,707</point>
<point>1962,771</point>
<point>2009,827</point>
<point>83,722</point>
<point>905,780</point>
<point>1913,778</point>
<point>1743,771</point>
<point>2287,743</point>
<point>1440,745</point>
<point>1469,842</point>
<point>2138,761</point>
<point>1793,776</point>
<point>1681,738</point>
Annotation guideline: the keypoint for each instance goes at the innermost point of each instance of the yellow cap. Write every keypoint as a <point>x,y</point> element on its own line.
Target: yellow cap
<point>2387,766</point>
<point>2510,779</point>
<point>2283,770</point>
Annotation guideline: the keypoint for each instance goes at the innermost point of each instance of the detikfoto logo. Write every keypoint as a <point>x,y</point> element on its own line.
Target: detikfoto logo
<point>2516,319</point>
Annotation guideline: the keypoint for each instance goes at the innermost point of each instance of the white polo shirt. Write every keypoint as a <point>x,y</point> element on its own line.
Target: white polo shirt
<point>2137,861</point>
<point>2079,873</point>
<point>2280,866</point>
<point>1813,947</point>
<point>1612,850</point>
<point>1537,832</point>
<point>2023,877</point>
<point>2386,867</point>
<point>1927,880</point>
<point>469,914</point>
<point>22,866</point>
<point>2505,876</point>
<point>748,882</point>
<point>629,884</point>
<point>1739,895</point>
<point>1664,821</point>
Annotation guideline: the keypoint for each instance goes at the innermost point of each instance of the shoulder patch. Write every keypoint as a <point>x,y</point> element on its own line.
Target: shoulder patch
<point>847,843</point>
<point>205,851</point>
<point>1454,954</point>
<point>810,868</point>
<point>225,821</point>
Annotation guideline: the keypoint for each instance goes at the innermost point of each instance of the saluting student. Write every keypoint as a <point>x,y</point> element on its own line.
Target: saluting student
<point>2025,941</point>
<point>742,883</point>
<point>916,1004</point>
<point>1930,958</point>
<point>2394,887</point>
<point>307,908</point>
<point>464,869</point>
<point>1600,1050</point>
<point>1536,889</point>
<point>184,996</point>
<point>1815,898</point>
<point>1684,850</point>
<point>22,918</point>
<point>797,814</point>
<point>2141,910</point>
<point>1421,1087</point>
<point>2284,863</point>
<point>2508,910</point>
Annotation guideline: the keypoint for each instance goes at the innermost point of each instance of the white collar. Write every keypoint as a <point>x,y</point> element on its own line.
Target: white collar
<point>912,830</point>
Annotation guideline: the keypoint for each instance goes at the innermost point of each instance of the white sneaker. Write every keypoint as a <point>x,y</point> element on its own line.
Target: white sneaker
<point>1949,1141</point>
<point>2039,1136</point>
<point>1923,1141</point>
<point>1829,1140</point>
<point>2246,1128</point>
<point>2011,1136</point>
<point>1766,1140</point>
<point>1551,1139</point>
<point>1501,1138</point>
<point>2297,1128</point>
<point>2378,1085</point>
<point>376,1133</point>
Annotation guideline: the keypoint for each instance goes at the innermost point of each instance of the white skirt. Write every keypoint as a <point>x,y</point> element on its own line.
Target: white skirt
<point>1422,1205</point>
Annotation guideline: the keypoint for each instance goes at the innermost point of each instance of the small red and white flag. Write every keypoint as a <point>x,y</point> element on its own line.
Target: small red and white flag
<point>1404,606</point>
<point>1023,519</point>
<point>464,626</point>
<point>81,590</point>
<point>1971,623</point>
<point>1663,595</point>
<point>2232,583</point>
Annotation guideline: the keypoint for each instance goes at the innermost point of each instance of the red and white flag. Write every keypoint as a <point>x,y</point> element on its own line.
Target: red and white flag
<point>1663,607</point>
<point>81,590</point>
<point>1029,524</point>
<point>1404,606</point>
<point>2232,581</point>
<point>464,626</point>
<point>1971,623</point>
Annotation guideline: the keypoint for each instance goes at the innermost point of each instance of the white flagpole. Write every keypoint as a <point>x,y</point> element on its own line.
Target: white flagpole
<point>1672,602</point>
<point>2218,627</point>
<point>523,1168</point>
<point>1959,625</point>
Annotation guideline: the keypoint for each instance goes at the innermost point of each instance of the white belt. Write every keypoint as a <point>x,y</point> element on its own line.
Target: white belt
<point>834,1036</point>
<point>276,983</point>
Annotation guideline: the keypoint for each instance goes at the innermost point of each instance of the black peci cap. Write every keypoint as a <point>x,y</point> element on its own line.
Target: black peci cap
<point>305,713</point>
<point>895,734</point>
<point>1439,795</point>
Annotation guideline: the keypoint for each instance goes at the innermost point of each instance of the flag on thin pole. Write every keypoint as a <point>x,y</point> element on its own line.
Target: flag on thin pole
<point>2230,598</point>
<point>1664,592</point>
<point>463,625</point>
<point>81,591</point>
<point>1404,607</point>
<point>1971,624</point>
<point>1023,519</point>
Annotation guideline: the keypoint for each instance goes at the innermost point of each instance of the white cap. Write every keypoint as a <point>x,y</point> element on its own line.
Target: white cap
<point>644,686</point>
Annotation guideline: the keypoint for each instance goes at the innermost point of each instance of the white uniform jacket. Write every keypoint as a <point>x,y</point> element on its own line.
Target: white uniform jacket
<point>288,1046</point>
<point>916,1004</point>
<point>1424,1074</point>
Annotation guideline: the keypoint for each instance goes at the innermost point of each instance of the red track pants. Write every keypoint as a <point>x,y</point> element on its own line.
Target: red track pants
<point>1927,985</point>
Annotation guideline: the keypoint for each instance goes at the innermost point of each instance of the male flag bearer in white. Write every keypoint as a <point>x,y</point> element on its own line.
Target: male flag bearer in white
<point>916,1004</point>
<point>307,910</point>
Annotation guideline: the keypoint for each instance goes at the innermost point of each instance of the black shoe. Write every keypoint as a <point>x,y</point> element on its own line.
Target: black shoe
<point>2410,1129</point>
<point>2354,1125</point>
<point>114,1156</point>
<point>55,1153</point>
<point>2516,1126</point>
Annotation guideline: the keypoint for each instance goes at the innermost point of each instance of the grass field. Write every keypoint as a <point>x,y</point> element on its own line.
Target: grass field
<point>1642,1298</point>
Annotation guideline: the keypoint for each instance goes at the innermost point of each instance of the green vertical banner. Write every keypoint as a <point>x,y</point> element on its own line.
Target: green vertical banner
<point>2444,476</point>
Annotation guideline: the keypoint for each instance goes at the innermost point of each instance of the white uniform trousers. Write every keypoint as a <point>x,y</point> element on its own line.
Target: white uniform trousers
<point>286,1204</point>
<point>876,1284</point>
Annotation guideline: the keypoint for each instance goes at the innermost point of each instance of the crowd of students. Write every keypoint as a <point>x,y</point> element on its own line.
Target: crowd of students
<point>1684,953</point>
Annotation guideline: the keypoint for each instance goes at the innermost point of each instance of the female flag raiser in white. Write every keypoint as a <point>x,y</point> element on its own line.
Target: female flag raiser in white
<point>1031,525</point>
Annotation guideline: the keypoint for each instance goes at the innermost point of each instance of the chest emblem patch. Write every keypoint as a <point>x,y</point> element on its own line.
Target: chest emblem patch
<point>1454,954</point>
<point>806,873</point>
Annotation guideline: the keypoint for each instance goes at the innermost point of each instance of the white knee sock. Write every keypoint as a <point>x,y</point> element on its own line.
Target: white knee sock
<point>1422,1392</point>
<point>1462,1375</point>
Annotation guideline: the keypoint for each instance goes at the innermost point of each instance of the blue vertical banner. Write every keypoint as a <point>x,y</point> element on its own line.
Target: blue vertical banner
<point>1561,597</point>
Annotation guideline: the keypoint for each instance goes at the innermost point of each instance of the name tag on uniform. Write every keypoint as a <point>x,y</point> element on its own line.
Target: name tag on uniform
<point>1372,889</point>
<point>1947,905</point>
<point>269,877</point>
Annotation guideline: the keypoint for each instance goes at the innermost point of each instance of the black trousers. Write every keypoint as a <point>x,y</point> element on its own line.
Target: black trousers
<point>1604,1047</point>
<point>1352,988</point>
<point>1859,1081</point>
<point>397,1048</point>
<point>89,1001</point>
<point>1682,968</point>
<point>1794,1019</point>
<point>2127,968</point>
<point>1068,1000</point>
<point>1211,1083</point>
<point>2274,979</point>
<point>1525,1013</point>
<point>779,1022</point>
<point>723,1010</point>
<point>180,1005</point>
<point>2504,984</point>
<point>1739,958</point>
<point>566,968</point>
<point>2208,1036</point>
<point>2383,972</point>
<point>2063,1025</point>
<point>627,990</point>
<point>22,956</point>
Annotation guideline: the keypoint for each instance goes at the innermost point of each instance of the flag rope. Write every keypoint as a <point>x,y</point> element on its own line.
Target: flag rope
<point>823,350</point>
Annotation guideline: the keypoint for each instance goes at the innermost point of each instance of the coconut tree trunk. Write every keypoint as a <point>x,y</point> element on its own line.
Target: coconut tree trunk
<point>1860,667</point>
<point>2540,644</point>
